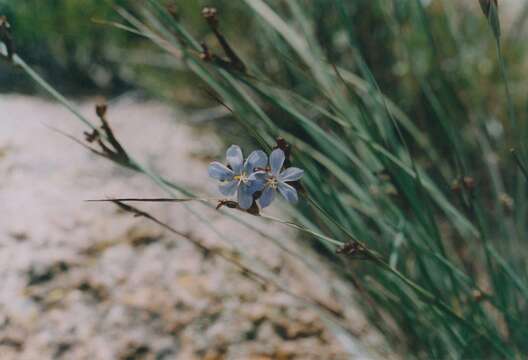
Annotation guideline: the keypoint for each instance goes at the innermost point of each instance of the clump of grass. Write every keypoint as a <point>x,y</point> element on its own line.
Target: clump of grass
<point>412,191</point>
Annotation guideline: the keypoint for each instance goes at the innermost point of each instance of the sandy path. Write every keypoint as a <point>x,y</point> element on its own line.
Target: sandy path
<point>84,281</point>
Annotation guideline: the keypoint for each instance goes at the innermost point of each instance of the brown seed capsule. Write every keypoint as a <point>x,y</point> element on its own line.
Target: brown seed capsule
<point>100,110</point>
<point>286,148</point>
<point>172,9</point>
<point>469,183</point>
<point>210,14</point>
<point>506,201</point>
<point>4,22</point>
<point>351,248</point>
<point>205,55</point>
<point>229,203</point>
<point>6,37</point>
<point>91,136</point>
<point>254,209</point>
<point>478,295</point>
<point>455,186</point>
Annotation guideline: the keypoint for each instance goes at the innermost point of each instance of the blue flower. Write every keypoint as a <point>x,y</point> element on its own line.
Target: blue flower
<point>277,180</point>
<point>237,177</point>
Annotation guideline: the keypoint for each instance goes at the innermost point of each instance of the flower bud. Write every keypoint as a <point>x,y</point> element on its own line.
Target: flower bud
<point>486,6</point>
<point>490,8</point>
<point>100,110</point>
<point>210,14</point>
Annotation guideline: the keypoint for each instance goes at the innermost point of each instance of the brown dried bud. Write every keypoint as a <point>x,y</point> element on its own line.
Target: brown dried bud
<point>4,23</point>
<point>455,186</point>
<point>205,55</point>
<point>210,14</point>
<point>254,209</point>
<point>478,295</point>
<point>469,183</point>
<point>100,110</point>
<point>507,202</point>
<point>91,137</point>
<point>352,248</point>
<point>286,148</point>
<point>6,38</point>
<point>229,203</point>
<point>172,9</point>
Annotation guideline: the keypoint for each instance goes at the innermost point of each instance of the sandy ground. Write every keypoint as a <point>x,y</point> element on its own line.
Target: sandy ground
<point>86,281</point>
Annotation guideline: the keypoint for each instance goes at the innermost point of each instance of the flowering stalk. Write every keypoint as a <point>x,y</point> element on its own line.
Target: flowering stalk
<point>210,14</point>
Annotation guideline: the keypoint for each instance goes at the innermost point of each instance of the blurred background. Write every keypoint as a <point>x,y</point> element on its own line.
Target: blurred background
<point>86,281</point>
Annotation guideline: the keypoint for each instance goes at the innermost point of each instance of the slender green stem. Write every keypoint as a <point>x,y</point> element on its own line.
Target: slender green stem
<point>323,212</point>
<point>17,60</point>
<point>303,229</point>
<point>520,163</point>
<point>509,99</point>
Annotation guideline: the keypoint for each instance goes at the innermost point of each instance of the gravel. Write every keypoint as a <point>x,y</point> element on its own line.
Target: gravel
<point>88,281</point>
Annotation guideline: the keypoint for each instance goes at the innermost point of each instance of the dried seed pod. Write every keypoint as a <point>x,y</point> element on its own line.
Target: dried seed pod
<point>469,183</point>
<point>507,202</point>
<point>478,295</point>
<point>233,62</point>
<point>286,148</point>
<point>6,37</point>
<point>254,209</point>
<point>455,186</point>
<point>100,110</point>
<point>91,136</point>
<point>205,55</point>
<point>353,249</point>
<point>229,203</point>
<point>210,14</point>
<point>173,10</point>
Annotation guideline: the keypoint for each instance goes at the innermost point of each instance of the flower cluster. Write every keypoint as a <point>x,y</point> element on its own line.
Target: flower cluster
<point>255,178</point>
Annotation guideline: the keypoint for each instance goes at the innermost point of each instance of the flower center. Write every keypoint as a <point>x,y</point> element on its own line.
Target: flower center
<point>273,182</point>
<point>242,178</point>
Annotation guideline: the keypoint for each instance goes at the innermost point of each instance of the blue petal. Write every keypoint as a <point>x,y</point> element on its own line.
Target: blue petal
<point>258,175</point>
<point>235,158</point>
<point>288,192</point>
<point>256,185</point>
<point>228,188</point>
<point>276,161</point>
<point>245,197</point>
<point>219,171</point>
<point>257,181</point>
<point>267,197</point>
<point>257,159</point>
<point>291,174</point>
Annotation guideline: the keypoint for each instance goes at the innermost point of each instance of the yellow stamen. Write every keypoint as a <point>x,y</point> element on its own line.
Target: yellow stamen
<point>242,178</point>
<point>273,182</point>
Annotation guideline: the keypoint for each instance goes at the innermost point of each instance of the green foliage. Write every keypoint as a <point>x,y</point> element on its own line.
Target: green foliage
<point>387,104</point>
<point>72,37</point>
<point>61,37</point>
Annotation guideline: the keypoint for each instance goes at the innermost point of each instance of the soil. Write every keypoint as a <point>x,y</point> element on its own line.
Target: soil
<point>84,280</point>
